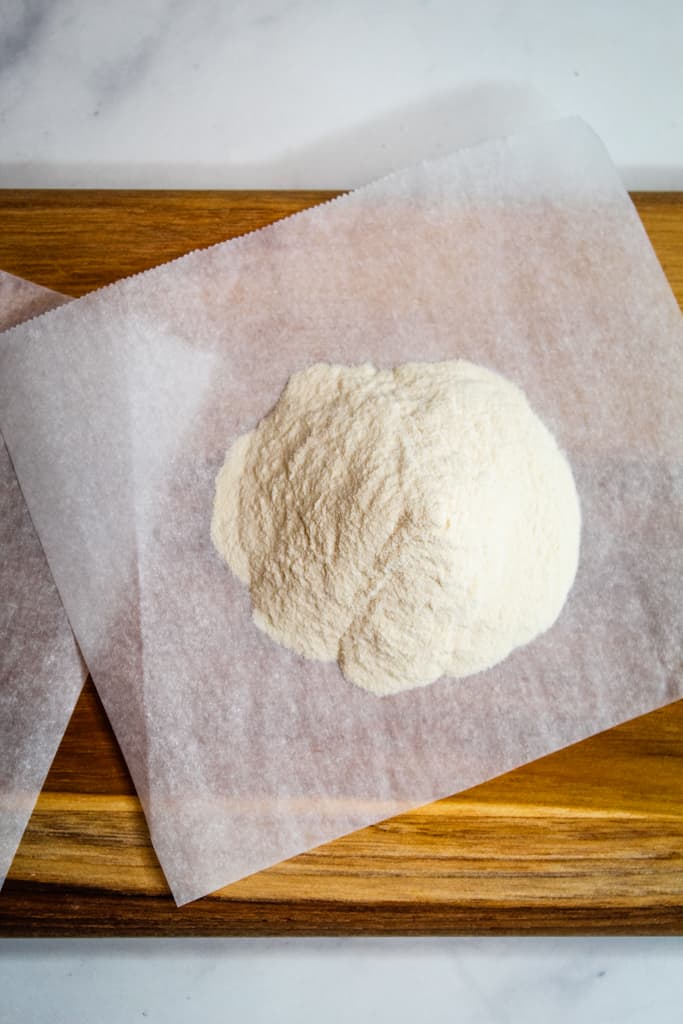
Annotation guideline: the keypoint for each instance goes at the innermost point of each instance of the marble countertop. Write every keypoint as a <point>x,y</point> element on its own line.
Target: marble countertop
<point>343,981</point>
<point>318,94</point>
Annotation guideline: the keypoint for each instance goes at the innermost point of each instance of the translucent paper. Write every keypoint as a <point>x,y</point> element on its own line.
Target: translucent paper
<point>41,671</point>
<point>523,254</point>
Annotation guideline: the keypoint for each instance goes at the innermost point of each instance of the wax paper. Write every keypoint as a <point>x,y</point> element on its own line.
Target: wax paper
<point>41,670</point>
<point>523,254</point>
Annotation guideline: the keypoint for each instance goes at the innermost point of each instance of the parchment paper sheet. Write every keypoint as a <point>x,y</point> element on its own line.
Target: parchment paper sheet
<point>41,670</point>
<point>523,254</point>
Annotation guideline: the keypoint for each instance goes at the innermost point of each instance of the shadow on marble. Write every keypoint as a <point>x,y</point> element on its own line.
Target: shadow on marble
<point>352,157</point>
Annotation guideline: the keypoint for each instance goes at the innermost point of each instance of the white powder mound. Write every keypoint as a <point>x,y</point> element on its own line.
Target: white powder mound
<point>408,523</point>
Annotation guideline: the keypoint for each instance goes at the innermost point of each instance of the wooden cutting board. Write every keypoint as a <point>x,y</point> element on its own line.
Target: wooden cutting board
<point>587,840</point>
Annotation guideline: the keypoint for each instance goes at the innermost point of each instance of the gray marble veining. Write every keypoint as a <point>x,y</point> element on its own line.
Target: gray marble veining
<point>305,94</point>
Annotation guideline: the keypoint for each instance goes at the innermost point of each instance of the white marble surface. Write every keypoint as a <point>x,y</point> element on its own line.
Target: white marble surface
<point>335,981</point>
<point>317,93</point>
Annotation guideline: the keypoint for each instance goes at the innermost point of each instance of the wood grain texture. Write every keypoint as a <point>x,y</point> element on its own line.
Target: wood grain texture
<point>74,241</point>
<point>588,840</point>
